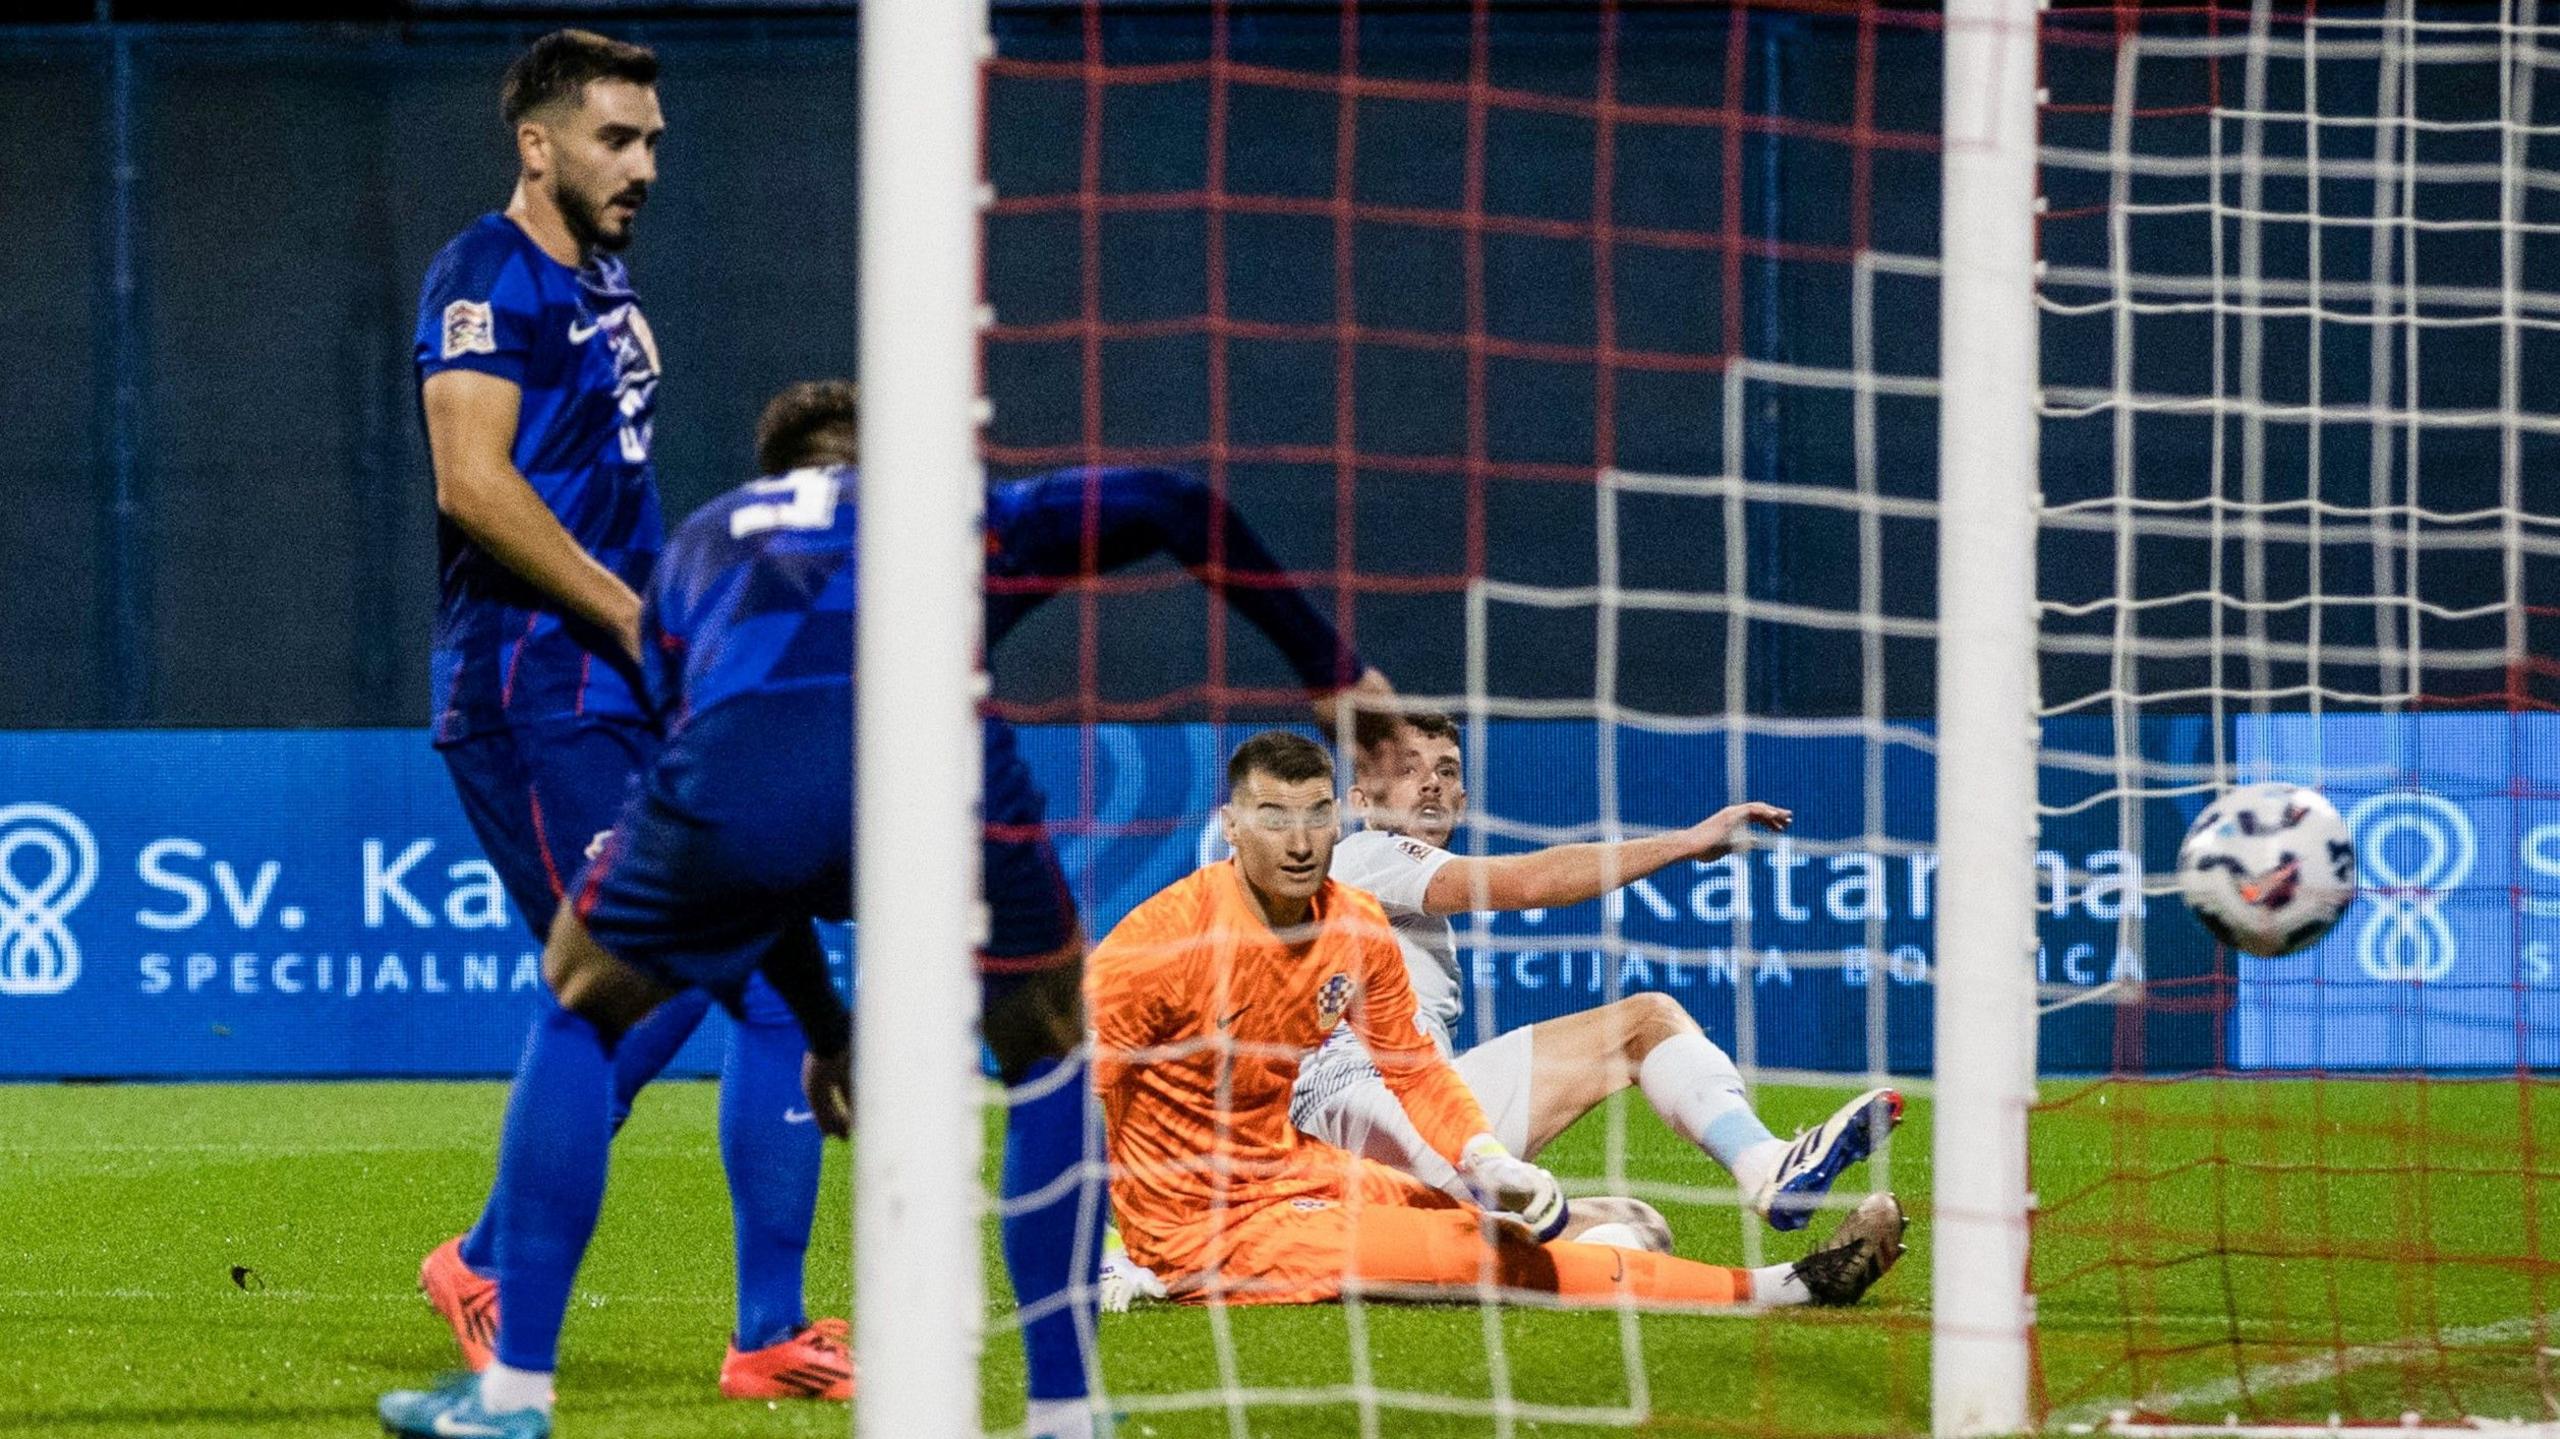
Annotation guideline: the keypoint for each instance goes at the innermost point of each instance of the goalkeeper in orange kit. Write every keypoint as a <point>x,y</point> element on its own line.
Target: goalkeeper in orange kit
<point>1204,998</point>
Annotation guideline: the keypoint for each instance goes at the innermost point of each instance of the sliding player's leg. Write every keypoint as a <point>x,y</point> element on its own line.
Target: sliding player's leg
<point>1031,972</point>
<point>1536,1082</point>
<point>1408,1241</point>
<point>1405,1242</point>
<point>1548,1075</point>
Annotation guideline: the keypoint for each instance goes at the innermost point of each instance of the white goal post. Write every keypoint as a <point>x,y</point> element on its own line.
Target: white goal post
<point>1987,726</point>
<point>919,1302</point>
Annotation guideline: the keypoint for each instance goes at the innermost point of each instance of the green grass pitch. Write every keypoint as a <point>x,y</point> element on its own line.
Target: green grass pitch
<point>2179,1225</point>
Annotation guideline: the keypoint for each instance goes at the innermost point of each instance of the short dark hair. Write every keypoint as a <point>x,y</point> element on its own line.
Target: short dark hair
<point>1378,746</point>
<point>561,65</point>
<point>1432,723</point>
<point>1280,754</point>
<point>811,421</point>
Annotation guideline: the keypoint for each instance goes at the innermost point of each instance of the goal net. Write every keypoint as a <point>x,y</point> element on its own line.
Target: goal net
<point>1601,371</point>
<point>2298,294</point>
<point>1561,353</point>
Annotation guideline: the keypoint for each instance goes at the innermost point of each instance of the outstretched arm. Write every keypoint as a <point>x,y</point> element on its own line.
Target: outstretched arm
<point>1568,874</point>
<point>1048,532</point>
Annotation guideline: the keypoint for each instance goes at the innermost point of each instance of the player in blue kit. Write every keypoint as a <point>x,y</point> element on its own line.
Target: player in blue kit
<point>538,378</point>
<point>741,833</point>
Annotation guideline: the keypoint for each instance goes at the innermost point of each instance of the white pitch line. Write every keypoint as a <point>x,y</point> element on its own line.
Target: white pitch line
<point>2310,1371</point>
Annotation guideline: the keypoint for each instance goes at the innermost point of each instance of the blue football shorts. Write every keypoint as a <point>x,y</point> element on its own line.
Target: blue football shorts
<point>743,826</point>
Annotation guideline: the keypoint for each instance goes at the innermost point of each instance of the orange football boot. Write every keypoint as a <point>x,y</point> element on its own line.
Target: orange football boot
<point>816,1363</point>
<point>468,1302</point>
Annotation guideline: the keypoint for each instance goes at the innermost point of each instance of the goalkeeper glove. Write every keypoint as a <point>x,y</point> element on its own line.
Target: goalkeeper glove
<point>1124,1281</point>
<point>1513,1188</point>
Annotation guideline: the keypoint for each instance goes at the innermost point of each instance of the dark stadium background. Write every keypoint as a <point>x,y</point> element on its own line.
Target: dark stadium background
<point>219,509</point>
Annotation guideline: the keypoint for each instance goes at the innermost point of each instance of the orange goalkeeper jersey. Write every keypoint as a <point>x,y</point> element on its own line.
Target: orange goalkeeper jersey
<point>1201,1015</point>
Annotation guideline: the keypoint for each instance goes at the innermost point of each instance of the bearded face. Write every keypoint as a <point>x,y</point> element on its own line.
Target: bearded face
<point>600,159</point>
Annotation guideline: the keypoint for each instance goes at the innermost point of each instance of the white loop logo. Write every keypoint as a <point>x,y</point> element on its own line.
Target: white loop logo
<point>37,953</point>
<point>2405,934</point>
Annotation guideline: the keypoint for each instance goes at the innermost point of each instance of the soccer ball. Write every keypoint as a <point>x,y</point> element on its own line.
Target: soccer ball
<point>2268,867</point>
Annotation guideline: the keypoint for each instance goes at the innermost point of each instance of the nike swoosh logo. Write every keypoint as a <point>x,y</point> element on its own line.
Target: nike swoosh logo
<point>579,335</point>
<point>447,1425</point>
<point>797,1116</point>
<point>1618,1256</point>
<point>1229,1021</point>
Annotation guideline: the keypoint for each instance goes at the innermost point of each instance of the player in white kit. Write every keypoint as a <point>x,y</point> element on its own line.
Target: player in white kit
<point>1410,796</point>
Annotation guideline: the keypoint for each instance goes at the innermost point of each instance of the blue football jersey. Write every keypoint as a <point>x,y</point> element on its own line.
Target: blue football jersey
<point>755,596</point>
<point>756,591</point>
<point>573,340</point>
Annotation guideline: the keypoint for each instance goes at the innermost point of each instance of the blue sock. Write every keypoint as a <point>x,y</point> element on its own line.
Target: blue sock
<point>551,1171</point>
<point>773,1166</point>
<point>651,1044</point>
<point>1059,1244</point>
<point>636,1060</point>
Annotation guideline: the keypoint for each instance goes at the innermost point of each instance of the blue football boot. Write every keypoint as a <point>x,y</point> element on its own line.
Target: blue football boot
<point>1804,1174</point>
<point>453,1412</point>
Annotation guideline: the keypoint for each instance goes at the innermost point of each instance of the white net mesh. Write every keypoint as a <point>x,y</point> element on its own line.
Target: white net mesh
<point>1581,358</point>
<point>2298,287</point>
<point>1617,363</point>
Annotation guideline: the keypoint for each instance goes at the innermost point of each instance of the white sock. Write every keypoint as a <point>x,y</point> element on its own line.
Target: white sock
<point>1059,1419</point>
<point>1698,1092</point>
<point>504,1390</point>
<point>1775,1284</point>
<point>1753,1166</point>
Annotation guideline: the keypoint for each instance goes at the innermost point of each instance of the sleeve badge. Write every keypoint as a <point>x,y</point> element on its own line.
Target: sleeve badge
<point>469,329</point>
<point>1333,1001</point>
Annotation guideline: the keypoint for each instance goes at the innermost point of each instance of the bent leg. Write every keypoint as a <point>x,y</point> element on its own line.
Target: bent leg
<point>1648,1040</point>
<point>590,981</point>
<point>1626,1218</point>
<point>551,1152</point>
<point>1578,1060</point>
<point>1443,1253</point>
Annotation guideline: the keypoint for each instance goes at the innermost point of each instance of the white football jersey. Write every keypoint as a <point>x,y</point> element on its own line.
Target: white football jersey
<point>1398,870</point>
